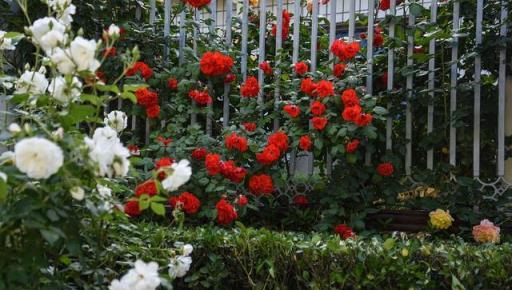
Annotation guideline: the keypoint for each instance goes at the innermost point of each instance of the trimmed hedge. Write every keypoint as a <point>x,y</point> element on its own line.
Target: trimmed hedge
<point>247,258</point>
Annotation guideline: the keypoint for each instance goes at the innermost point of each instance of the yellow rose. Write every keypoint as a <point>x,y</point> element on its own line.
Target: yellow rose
<point>254,3</point>
<point>440,219</point>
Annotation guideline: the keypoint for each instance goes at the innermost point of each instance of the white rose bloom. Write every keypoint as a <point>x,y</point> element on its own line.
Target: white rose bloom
<point>142,277</point>
<point>37,157</point>
<point>179,266</point>
<point>113,30</point>
<point>82,52</point>
<point>181,173</point>
<point>104,191</point>
<point>14,128</point>
<point>187,249</point>
<point>117,120</point>
<point>58,4</point>
<point>34,83</point>
<point>61,58</point>
<point>77,193</point>
<point>48,32</point>
<point>65,15</point>
<point>5,43</point>
<point>107,153</point>
<point>64,91</point>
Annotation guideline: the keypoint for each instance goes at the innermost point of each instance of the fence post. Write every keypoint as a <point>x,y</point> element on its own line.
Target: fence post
<point>409,88</point>
<point>227,87</point>
<point>477,90</point>
<point>508,126</point>
<point>501,91</point>
<point>332,38</point>
<point>261,58</point>
<point>279,44</point>
<point>453,83</point>
<point>391,76</point>
<point>431,84</point>
<point>369,59</point>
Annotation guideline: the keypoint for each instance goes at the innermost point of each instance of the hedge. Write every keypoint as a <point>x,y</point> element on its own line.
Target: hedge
<point>248,258</point>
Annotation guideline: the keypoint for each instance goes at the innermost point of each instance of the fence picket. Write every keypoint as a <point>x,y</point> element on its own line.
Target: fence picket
<point>279,45</point>
<point>245,33</point>
<point>453,83</point>
<point>431,84</point>
<point>182,38</point>
<point>263,26</point>
<point>227,87</point>
<point>209,113</point>
<point>369,68</point>
<point>167,28</point>
<point>295,59</point>
<point>477,90</point>
<point>391,75</point>
<point>332,38</point>
<point>352,19</point>
<point>408,113</point>
<point>314,43</point>
<point>501,92</point>
<point>193,114</point>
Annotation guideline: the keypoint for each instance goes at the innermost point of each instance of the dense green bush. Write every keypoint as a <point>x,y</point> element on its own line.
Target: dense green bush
<point>248,258</point>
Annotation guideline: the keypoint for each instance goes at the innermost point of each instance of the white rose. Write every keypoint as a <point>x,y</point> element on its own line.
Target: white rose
<point>107,153</point>
<point>82,52</point>
<point>37,157</point>
<point>179,266</point>
<point>34,83</point>
<point>65,15</point>
<point>48,32</point>
<point>58,4</point>
<point>143,276</point>
<point>5,43</point>
<point>64,91</point>
<point>77,193</point>
<point>14,128</point>
<point>61,58</point>
<point>113,30</point>
<point>181,173</point>
<point>117,120</point>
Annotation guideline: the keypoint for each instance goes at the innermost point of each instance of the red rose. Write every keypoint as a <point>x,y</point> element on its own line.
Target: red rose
<point>266,68</point>
<point>308,87</point>
<point>351,113</point>
<point>339,70</point>
<point>292,110</point>
<point>363,119</point>
<point>162,163</point>
<point>305,143</point>
<point>215,64</point>
<point>319,123</point>
<point>202,98</point>
<point>226,213</point>
<point>198,3</point>
<point>132,208</point>
<point>349,98</point>
<point>163,141</point>
<point>101,76</point>
<point>153,111</point>
<point>385,4</point>
<point>345,50</point>
<point>148,187</point>
<point>378,39</point>
<point>172,84</point>
<point>352,146</point>
<point>344,231</point>
<point>134,150</point>
<point>145,71</point>
<point>301,68</point>
<point>300,200</point>
<point>213,163</point>
<point>230,171</point>
<point>317,108</point>
<point>261,184</point>
<point>249,126</point>
<point>229,78</point>
<point>285,26</point>
<point>324,88</point>
<point>110,52</point>
<point>362,35</point>
<point>385,169</point>
<point>188,202</point>
<point>280,139</point>
<point>146,98</point>
<point>269,155</point>
<point>235,142</point>
<point>199,153</point>
<point>418,49</point>
<point>242,200</point>
<point>250,88</point>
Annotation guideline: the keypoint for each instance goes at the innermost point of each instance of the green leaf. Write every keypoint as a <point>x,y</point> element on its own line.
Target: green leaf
<point>108,88</point>
<point>380,110</point>
<point>416,9</point>
<point>3,190</point>
<point>129,96</point>
<point>50,236</point>
<point>158,208</point>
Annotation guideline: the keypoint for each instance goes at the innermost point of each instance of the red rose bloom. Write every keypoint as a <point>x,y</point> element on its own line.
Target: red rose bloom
<point>145,71</point>
<point>269,155</point>
<point>301,200</point>
<point>230,171</point>
<point>199,153</point>
<point>202,98</point>
<point>349,98</point>
<point>235,142</point>
<point>110,52</point>
<point>242,200</point>
<point>163,141</point>
<point>132,208</point>
<point>339,69</point>
<point>292,110</point>
<point>385,169</point>
<point>317,108</point>
<point>213,164</point>
<point>188,202</point>
<point>352,146</point>
<point>351,113</point>
<point>134,150</point>
<point>162,163</point>
<point>324,88</point>
<point>226,213</point>
<point>308,87</point>
<point>285,26</point>
<point>153,111</point>
<point>344,231</point>
<point>229,78</point>
<point>378,40</point>
<point>146,98</point>
<point>345,50</point>
<point>101,76</point>
<point>280,139</point>
<point>148,187</point>
<point>250,88</point>
<point>418,49</point>
<point>266,68</point>
<point>386,4</point>
<point>319,123</point>
<point>198,3</point>
<point>215,64</point>
<point>362,35</point>
<point>363,119</point>
<point>261,184</point>
<point>249,126</point>
<point>172,84</point>
<point>305,143</point>
<point>301,68</point>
